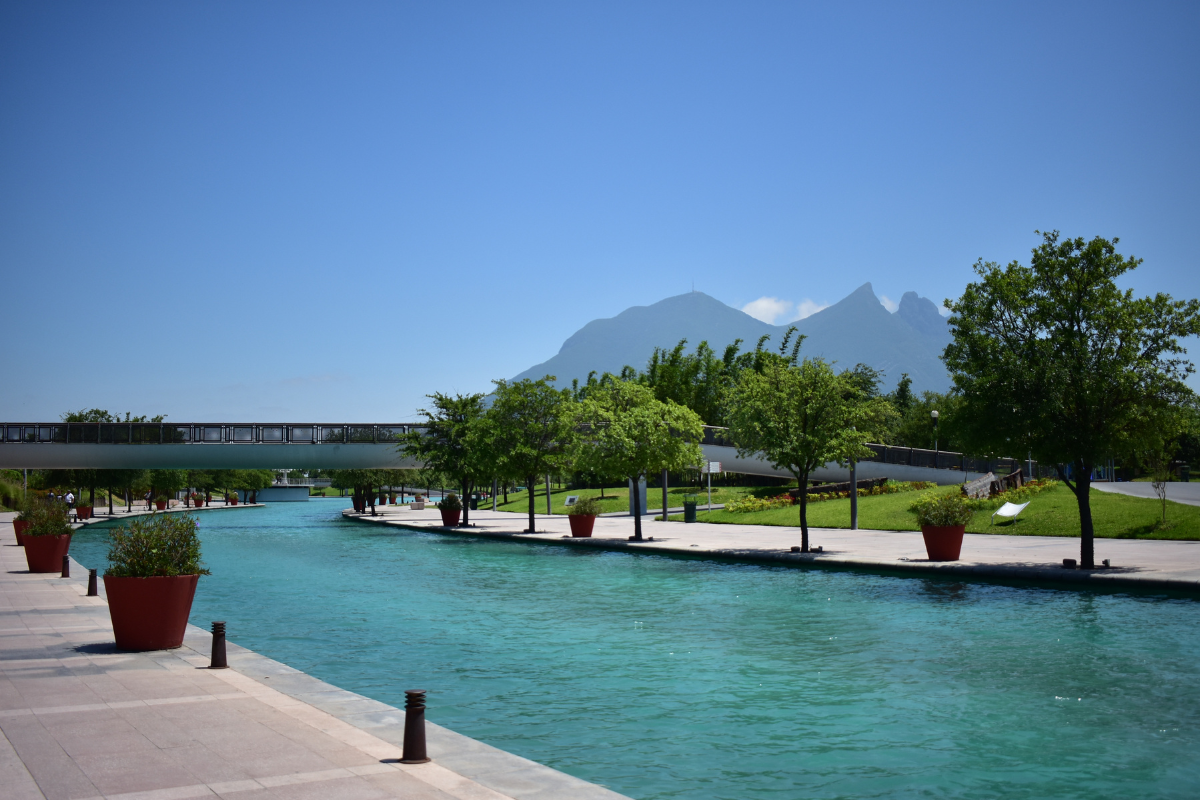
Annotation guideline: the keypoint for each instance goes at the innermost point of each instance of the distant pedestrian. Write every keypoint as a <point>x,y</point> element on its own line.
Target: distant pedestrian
<point>70,498</point>
<point>148,496</point>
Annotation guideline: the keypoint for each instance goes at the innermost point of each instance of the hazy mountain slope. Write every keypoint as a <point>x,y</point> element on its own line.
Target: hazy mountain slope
<point>606,345</point>
<point>859,329</point>
<point>856,329</point>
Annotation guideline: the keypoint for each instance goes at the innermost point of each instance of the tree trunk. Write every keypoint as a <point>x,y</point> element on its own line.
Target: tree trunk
<point>92,496</point>
<point>803,479</point>
<point>637,510</point>
<point>1083,486</point>
<point>466,504</point>
<point>506,493</point>
<point>530,482</point>
<point>371,497</point>
<point>110,511</point>
<point>664,494</point>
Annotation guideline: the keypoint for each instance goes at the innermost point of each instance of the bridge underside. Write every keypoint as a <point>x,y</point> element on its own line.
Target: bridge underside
<point>203,456</point>
<point>368,456</point>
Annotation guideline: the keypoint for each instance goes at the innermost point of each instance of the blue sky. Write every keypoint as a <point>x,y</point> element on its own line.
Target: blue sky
<point>298,211</point>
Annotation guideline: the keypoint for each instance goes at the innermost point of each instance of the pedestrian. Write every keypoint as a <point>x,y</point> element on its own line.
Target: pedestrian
<point>70,498</point>
<point>148,499</point>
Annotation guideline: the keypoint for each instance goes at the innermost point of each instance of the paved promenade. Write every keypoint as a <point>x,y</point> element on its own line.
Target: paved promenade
<point>82,720</point>
<point>1135,563</point>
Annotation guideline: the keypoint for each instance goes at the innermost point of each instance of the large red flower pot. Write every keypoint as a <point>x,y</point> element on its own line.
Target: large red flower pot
<point>450,518</point>
<point>233,501</point>
<point>150,613</point>
<point>581,525</point>
<point>943,543</point>
<point>161,505</point>
<point>19,526</point>
<point>45,553</point>
<point>83,512</point>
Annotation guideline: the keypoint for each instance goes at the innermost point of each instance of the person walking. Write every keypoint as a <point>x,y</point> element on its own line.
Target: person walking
<point>148,497</point>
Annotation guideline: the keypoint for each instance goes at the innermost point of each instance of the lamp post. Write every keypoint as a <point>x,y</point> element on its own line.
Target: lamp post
<point>934,414</point>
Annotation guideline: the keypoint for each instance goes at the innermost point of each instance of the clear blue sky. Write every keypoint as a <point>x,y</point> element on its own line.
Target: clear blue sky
<point>325,211</point>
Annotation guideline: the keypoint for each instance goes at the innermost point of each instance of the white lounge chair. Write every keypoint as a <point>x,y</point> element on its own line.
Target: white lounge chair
<point>1008,510</point>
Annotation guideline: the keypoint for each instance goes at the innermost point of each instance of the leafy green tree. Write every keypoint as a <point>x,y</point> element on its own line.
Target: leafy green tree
<point>452,442</point>
<point>914,428</point>
<point>902,397</point>
<point>529,430</point>
<point>626,430</point>
<point>801,418</point>
<point>1055,357</point>
<point>168,481</point>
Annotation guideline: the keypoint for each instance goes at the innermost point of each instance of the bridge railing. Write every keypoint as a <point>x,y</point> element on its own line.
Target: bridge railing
<point>198,433</point>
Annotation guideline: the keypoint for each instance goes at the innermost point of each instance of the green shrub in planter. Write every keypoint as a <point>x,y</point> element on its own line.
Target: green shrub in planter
<point>941,510</point>
<point>586,507</point>
<point>46,518</point>
<point>450,503</point>
<point>155,546</point>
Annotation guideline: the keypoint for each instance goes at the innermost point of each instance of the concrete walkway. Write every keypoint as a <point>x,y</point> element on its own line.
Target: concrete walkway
<point>1135,563</point>
<point>80,719</point>
<point>1187,493</point>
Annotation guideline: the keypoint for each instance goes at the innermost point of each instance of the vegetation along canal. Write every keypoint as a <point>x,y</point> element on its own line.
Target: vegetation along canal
<point>678,678</point>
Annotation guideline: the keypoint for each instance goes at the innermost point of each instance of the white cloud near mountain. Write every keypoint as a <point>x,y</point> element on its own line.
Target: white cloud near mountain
<point>888,303</point>
<point>774,311</point>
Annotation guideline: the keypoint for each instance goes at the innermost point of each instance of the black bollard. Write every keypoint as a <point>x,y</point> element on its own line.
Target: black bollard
<point>92,584</point>
<point>66,573</point>
<point>414,728</point>
<point>218,648</point>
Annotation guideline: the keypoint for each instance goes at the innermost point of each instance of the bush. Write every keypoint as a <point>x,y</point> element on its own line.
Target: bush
<point>450,503</point>
<point>155,546</point>
<point>941,510</point>
<point>46,518</point>
<point>1018,495</point>
<point>10,495</point>
<point>587,507</point>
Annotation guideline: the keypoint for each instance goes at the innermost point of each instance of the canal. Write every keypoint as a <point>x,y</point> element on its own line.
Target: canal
<point>685,678</point>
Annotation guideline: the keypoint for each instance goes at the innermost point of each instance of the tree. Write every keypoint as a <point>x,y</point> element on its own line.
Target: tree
<point>530,430</point>
<point>451,442</point>
<point>626,431</point>
<point>1054,358</point>
<point>801,418</point>
<point>902,398</point>
<point>168,481</point>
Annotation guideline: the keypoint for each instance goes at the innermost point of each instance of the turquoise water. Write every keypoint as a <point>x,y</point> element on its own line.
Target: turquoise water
<point>682,678</point>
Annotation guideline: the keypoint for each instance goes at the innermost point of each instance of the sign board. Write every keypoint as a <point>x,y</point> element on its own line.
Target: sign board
<point>572,499</point>
<point>710,468</point>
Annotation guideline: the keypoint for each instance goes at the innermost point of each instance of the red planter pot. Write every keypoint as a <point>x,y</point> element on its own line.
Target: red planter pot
<point>233,502</point>
<point>161,505</point>
<point>45,553</point>
<point>19,525</point>
<point>581,525</point>
<point>450,518</point>
<point>943,543</point>
<point>150,613</point>
<point>83,512</point>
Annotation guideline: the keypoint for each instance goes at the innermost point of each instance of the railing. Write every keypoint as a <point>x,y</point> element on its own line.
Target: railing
<point>277,433</point>
<point>198,433</point>
<point>315,483</point>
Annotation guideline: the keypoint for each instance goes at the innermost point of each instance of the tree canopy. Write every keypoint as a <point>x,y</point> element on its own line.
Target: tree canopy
<point>800,417</point>
<point>1055,358</point>
<point>626,430</point>
<point>529,430</point>
<point>452,442</point>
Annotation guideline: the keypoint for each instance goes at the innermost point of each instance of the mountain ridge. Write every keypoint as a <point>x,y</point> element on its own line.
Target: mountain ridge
<point>856,329</point>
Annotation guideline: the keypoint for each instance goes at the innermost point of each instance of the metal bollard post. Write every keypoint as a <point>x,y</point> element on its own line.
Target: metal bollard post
<point>218,648</point>
<point>92,584</point>
<point>414,728</point>
<point>66,571</point>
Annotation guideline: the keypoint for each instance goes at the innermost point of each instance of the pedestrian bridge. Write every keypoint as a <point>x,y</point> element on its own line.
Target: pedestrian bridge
<point>59,445</point>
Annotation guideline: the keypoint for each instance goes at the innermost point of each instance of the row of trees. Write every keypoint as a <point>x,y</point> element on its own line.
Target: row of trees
<point>133,483</point>
<point>799,414</point>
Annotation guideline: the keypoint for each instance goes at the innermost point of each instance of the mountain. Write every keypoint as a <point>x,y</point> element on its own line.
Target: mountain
<point>856,329</point>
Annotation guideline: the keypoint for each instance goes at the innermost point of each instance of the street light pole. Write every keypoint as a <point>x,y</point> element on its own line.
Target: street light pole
<point>934,414</point>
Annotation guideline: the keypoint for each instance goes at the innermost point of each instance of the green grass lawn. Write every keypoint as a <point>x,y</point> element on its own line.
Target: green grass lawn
<point>617,498</point>
<point>1051,513</point>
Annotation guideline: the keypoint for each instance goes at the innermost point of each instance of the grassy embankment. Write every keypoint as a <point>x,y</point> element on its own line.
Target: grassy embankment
<point>1050,513</point>
<point>617,499</point>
